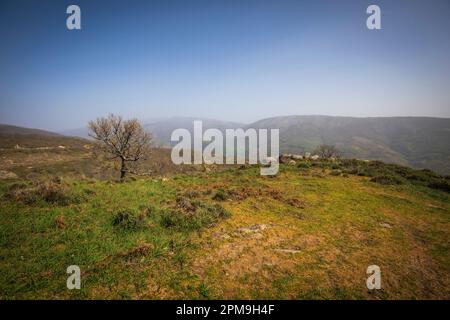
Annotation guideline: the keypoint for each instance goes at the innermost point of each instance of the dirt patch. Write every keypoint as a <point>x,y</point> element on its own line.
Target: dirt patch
<point>297,203</point>
<point>7,175</point>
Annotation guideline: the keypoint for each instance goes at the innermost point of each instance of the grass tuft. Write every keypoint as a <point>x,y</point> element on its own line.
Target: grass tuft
<point>128,220</point>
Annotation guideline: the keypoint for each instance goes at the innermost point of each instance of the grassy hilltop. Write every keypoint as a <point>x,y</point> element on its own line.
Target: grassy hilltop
<point>309,232</point>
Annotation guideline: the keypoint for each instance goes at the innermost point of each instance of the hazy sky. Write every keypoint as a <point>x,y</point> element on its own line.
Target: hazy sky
<point>231,60</point>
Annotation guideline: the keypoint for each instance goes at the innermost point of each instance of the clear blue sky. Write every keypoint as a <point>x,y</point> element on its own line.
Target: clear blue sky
<point>231,60</point>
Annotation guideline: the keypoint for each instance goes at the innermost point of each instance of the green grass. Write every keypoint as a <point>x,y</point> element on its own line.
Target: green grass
<point>181,238</point>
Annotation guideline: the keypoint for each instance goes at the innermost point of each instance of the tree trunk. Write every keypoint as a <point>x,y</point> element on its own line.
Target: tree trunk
<point>123,170</point>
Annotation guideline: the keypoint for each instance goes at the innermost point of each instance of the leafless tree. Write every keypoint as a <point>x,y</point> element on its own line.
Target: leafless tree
<point>121,139</point>
<point>326,151</point>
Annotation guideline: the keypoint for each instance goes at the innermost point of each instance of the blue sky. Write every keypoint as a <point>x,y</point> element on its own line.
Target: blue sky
<point>230,60</point>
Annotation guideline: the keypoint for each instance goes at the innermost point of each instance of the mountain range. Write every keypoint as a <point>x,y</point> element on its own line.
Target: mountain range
<point>418,142</point>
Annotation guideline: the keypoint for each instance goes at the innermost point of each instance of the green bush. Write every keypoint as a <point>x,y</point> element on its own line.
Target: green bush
<point>171,218</point>
<point>441,184</point>
<point>220,195</point>
<point>335,173</point>
<point>128,220</point>
<point>366,172</point>
<point>192,216</point>
<point>386,173</point>
<point>304,165</point>
<point>53,192</point>
<point>387,180</point>
<point>49,191</point>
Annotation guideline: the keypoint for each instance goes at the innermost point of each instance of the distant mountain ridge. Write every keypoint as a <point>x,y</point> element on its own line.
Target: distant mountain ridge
<point>419,142</point>
<point>6,129</point>
<point>162,129</point>
<point>14,136</point>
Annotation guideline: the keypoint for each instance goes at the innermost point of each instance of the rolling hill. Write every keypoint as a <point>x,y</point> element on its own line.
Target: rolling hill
<point>12,136</point>
<point>308,233</point>
<point>419,142</point>
<point>162,129</point>
<point>211,232</point>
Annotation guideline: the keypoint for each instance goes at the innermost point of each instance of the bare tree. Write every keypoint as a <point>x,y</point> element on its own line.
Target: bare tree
<point>121,139</point>
<point>326,151</point>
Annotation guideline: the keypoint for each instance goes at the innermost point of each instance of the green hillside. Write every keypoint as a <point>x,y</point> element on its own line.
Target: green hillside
<point>418,142</point>
<point>309,232</point>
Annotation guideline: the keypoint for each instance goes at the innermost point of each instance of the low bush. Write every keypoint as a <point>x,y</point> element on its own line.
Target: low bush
<point>220,195</point>
<point>49,191</point>
<point>440,184</point>
<point>192,215</point>
<point>128,220</point>
<point>303,165</point>
<point>387,180</point>
<point>335,173</point>
<point>53,192</point>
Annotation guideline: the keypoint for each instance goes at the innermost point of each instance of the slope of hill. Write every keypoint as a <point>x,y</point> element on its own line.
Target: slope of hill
<point>162,129</point>
<point>12,136</point>
<point>211,232</point>
<point>419,142</point>
<point>308,233</point>
<point>6,129</point>
<point>77,132</point>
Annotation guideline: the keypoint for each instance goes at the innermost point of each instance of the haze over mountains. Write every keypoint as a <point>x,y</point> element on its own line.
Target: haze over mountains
<point>419,142</point>
<point>13,136</point>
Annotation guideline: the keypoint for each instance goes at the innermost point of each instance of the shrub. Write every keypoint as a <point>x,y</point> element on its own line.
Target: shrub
<point>442,184</point>
<point>220,195</point>
<point>89,192</point>
<point>17,186</point>
<point>192,194</point>
<point>203,290</point>
<point>335,172</point>
<point>366,172</point>
<point>185,204</point>
<point>48,191</point>
<point>297,203</point>
<point>387,180</point>
<point>193,216</point>
<point>60,222</point>
<point>303,165</point>
<point>52,192</point>
<point>20,193</point>
<point>385,173</point>
<point>171,218</point>
<point>350,171</point>
<point>149,211</point>
<point>128,220</point>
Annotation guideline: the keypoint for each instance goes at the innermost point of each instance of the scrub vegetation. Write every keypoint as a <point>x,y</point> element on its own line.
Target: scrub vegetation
<point>309,232</point>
